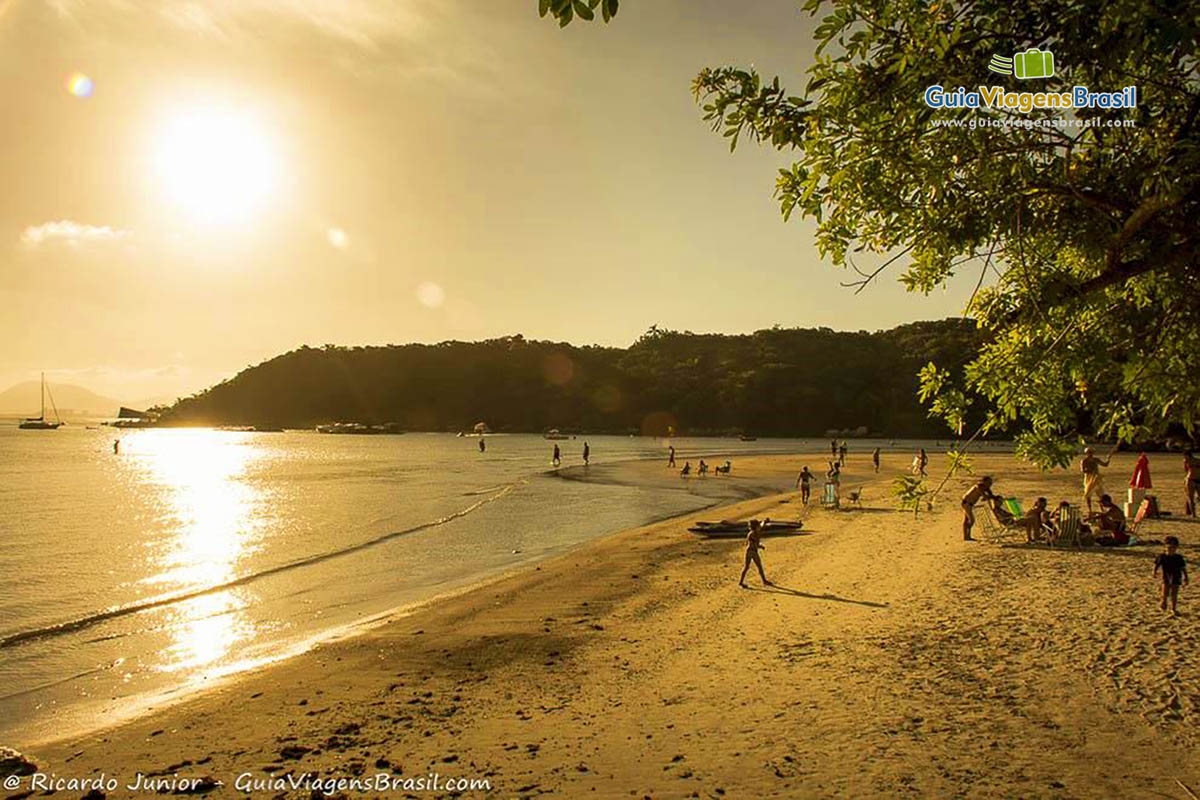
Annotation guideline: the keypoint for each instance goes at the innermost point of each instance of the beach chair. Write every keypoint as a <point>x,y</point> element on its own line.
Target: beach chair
<point>1070,526</point>
<point>1014,507</point>
<point>993,529</point>
<point>829,495</point>
<point>1142,512</point>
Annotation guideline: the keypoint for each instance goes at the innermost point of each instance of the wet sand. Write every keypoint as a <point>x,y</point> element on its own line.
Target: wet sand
<point>892,659</point>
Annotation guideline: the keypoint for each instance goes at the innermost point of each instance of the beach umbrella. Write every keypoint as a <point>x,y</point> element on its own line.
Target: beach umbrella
<point>1141,473</point>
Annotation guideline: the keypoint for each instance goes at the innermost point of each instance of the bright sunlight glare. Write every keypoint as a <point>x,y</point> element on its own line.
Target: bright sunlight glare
<point>217,166</point>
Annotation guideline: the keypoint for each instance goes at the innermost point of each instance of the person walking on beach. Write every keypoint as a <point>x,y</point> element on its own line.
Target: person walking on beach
<point>922,462</point>
<point>671,456</point>
<point>1093,484</point>
<point>557,459</point>
<point>482,445</point>
<point>980,491</point>
<point>804,481</point>
<point>753,545</point>
<point>842,450</point>
<point>587,451</point>
<point>833,448</point>
<point>116,447</point>
<point>1191,482</point>
<point>1174,572</point>
<point>875,458</point>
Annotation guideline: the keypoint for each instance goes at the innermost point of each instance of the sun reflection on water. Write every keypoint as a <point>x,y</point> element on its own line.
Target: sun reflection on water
<point>209,520</point>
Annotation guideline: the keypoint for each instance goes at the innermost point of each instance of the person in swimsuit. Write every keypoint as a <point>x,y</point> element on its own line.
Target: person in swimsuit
<point>482,445</point>
<point>842,453</point>
<point>804,481</point>
<point>875,458</point>
<point>923,461</point>
<point>1093,484</point>
<point>671,456</point>
<point>557,459</point>
<point>1111,521</point>
<point>1037,521</point>
<point>753,545</point>
<point>702,470</point>
<point>1174,572</point>
<point>687,469</point>
<point>980,491</point>
<point>587,451</point>
<point>1191,478</point>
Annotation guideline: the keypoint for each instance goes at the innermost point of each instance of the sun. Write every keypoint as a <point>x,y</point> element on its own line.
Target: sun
<point>216,166</point>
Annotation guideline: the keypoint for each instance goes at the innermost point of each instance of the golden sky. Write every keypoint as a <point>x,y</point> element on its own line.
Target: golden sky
<point>194,186</point>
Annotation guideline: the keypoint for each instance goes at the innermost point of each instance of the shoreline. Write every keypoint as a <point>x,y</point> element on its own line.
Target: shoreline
<point>131,709</point>
<point>893,659</point>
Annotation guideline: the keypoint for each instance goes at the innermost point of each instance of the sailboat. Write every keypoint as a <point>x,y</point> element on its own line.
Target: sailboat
<point>40,423</point>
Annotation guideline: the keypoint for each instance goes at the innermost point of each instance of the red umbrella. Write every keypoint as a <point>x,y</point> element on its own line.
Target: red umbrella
<point>1141,473</point>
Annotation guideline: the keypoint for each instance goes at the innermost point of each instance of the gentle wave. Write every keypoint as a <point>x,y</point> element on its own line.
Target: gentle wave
<point>157,602</point>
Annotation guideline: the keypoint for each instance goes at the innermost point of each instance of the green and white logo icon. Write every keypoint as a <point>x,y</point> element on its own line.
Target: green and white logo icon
<point>1032,63</point>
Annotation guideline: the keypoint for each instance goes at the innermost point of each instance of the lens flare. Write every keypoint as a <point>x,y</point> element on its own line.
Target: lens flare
<point>80,85</point>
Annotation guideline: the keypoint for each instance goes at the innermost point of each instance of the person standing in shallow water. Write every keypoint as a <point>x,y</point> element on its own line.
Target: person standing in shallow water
<point>557,459</point>
<point>753,545</point>
<point>586,453</point>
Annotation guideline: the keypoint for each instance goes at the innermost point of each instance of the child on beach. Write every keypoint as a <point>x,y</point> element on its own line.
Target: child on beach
<point>753,545</point>
<point>1174,572</point>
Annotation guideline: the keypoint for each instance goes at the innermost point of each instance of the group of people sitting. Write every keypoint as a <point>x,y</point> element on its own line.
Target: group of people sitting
<point>1105,528</point>
<point>702,469</point>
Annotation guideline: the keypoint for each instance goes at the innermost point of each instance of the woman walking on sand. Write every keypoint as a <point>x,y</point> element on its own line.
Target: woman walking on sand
<point>1093,484</point>
<point>753,545</point>
<point>1191,482</point>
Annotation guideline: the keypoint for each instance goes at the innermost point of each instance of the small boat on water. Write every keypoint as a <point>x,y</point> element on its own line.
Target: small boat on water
<point>40,423</point>
<point>746,438</point>
<point>732,529</point>
<point>554,434</point>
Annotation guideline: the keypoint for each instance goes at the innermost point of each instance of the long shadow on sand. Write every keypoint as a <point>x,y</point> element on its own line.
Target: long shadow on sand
<point>776,589</point>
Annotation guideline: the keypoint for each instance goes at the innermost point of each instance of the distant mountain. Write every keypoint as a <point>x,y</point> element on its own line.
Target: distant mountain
<point>25,399</point>
<point>772,382</point>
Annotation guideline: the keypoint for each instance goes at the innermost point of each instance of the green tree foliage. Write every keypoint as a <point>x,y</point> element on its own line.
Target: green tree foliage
<point>1082,242</point>
<point>773,382</point>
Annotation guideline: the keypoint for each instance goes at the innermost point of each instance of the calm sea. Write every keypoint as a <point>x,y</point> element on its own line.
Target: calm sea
<point>194,554</point>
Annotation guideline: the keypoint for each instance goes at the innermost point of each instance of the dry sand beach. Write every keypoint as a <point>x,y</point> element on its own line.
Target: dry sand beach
<point>892,659</point>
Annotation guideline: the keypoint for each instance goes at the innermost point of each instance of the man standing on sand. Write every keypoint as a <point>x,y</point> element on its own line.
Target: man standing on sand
<point>981,490</point>
<point>557,459</point>
<point>753,545</point>
<point>671,456</point>
<point>1093,484</point>
<point>587,451</point>
<point>875,458</point>
<point>804,481</point>
<point>842,454</point>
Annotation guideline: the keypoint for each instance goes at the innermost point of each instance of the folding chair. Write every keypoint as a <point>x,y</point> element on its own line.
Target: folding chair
<point>993,529</point>
<point>1070,526</point>
<point>829,495</point>
<point>1142,512</point>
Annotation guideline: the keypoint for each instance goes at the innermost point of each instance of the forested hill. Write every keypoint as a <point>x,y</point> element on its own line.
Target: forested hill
<point>795,382</point>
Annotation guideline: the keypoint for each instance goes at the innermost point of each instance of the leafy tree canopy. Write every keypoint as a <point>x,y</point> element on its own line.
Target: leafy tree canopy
<point>1082,242</point>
